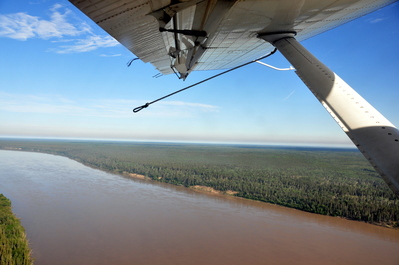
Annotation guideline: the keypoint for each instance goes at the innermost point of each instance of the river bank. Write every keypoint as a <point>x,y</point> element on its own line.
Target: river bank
<point>323,181</point>
<point>229,193</point>
<point>14,246</point>
<point>212,191</point>
<point>74,214</point>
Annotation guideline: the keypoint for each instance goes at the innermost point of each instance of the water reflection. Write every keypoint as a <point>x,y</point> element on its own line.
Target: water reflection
<point>77,215</point>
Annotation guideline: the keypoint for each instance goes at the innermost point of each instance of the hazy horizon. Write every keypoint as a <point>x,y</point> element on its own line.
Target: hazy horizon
<point>64,77</point>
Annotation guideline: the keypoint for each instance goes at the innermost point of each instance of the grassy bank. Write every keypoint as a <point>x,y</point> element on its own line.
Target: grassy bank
<point>14,247</point>
<point>329,182</point>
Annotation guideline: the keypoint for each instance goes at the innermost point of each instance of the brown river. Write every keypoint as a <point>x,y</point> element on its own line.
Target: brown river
<point>74,214</point>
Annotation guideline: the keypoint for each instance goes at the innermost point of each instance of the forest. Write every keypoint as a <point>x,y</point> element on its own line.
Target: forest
<point>335,182</point>
<point>14,246</point>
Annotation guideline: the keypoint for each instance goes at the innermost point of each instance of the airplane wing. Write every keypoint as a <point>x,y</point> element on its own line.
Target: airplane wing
<point>181,36</point>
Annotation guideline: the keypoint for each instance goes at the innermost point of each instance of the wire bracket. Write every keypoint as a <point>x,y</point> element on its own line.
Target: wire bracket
<point>135,110</point>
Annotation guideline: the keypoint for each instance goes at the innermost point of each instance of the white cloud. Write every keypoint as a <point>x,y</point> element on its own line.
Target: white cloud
<point>287,97</point>
<point>115,108</point>
<point>17,26</point>
<point>22,26</point>
<point>376,20</point>
<point>189,105</point>
<point>62,41</point>
<point>90,43</point>
<point>110,55</point>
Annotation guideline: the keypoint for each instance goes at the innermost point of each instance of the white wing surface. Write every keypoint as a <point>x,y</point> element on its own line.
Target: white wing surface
<point>214,34</point>
<point>181,36</point>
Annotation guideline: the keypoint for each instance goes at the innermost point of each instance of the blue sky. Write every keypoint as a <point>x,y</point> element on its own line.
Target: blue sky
<point>64,77</point>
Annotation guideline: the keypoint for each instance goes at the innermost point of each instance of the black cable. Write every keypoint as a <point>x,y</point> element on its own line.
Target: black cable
<point>129,63</point>
<point>135,110</point>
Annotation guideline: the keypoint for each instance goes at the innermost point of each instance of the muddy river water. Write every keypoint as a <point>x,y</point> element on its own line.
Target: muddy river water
<point>74,214</point>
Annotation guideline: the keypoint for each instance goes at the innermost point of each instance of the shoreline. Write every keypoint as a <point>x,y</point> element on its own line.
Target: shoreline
<point>197,188</point>
<point>213,192</point>
<point>15,247</point>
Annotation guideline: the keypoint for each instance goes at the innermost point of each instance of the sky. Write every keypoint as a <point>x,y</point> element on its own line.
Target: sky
<point>61,76</point>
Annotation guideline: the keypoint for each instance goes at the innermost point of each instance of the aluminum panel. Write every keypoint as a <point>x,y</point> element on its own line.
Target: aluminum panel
<point>230,42</point>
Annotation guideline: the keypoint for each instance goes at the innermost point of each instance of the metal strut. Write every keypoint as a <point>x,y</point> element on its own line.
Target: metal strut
<point>369,130</point>
<point>187,32</point>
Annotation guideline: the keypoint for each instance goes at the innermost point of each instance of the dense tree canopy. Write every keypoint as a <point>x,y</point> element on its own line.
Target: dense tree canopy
<point>14,247</point>
<point>329,182</point>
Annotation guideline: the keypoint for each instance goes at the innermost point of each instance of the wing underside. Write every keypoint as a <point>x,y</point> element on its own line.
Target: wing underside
<point>182,36</point>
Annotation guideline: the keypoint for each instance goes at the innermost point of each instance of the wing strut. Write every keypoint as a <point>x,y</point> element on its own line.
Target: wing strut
<point>369,130</point>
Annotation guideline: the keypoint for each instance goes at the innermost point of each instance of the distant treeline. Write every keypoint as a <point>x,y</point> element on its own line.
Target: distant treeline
<point>329,182</point>
<point>14,247</point>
